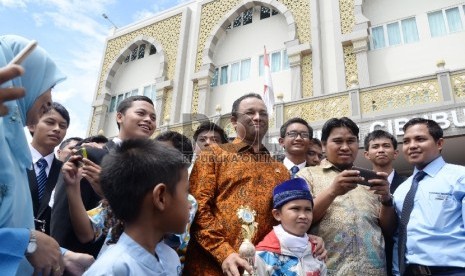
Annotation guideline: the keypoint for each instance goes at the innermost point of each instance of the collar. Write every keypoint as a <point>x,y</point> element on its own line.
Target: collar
<point>36,156</point>
<point>117,141</point>
<point>289,164</point>
<point>326,165</point>
<point>297,245</point>
<point>391,176</point>
<point>241,146</point>
<point>433,167</point>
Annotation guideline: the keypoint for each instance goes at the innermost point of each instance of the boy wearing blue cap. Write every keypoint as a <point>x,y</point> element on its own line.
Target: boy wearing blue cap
<point>286,250</point>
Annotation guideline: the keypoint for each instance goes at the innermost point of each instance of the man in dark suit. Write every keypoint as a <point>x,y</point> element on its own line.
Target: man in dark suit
<point>136,119</point>
<point>381,150</point>
<point>295,136</point>
<point>46,135</point>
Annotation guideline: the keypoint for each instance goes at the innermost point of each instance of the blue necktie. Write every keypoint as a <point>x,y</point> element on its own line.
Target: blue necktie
<point>294,171</point>
<point>41,177</point>
<point>405,217</point>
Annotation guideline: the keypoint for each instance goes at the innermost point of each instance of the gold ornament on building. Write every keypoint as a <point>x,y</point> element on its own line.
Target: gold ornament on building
<point>440,64</point>
<point>248,228</point>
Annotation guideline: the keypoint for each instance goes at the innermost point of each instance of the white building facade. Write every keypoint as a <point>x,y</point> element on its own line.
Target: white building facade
<point>379,62</point>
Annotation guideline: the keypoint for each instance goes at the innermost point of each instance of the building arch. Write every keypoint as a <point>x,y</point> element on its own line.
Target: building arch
<point>219,30</point>
<point>127,50</point>
<point>295,50</point>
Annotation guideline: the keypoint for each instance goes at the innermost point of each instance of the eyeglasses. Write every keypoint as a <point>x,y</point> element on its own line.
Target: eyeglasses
<point>294,134</point>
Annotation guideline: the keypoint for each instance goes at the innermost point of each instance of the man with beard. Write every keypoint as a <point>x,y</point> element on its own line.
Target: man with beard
<point>348,216</point>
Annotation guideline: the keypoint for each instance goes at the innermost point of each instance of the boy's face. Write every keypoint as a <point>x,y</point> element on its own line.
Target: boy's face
<point>314,155</point>
<point>381,152</point>
<point>205,139</point>
<point>296,145</point>
<point>49,131</point>
<point>139,121</point>
<point>177,216</point>
<point>295,216</point>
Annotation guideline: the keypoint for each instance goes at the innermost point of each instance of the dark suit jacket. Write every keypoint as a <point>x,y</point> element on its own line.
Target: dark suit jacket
<point>389,242</point>
<point>42,211</point>
<point>61,228</point>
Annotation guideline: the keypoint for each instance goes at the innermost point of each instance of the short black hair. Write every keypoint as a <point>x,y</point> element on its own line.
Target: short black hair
<point>433,128</point>
<point>316,141</point>
<point>67,141</point>
<point>133,170</point>
<point>209,126</point>
<point>377,134</point>
<point>335,123</point>
<point>60,109</point>
<point>235,106</point>
<point>99,139</point>
<point>296,120</point>
<point>127,103</point>
<point>180,142</point>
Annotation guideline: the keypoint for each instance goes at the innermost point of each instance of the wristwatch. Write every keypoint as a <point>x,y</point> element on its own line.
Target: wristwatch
<point>32,246</point>
<point>387,203</point>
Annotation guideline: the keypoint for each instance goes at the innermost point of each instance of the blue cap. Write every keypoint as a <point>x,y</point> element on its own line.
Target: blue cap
<point>292,189</point>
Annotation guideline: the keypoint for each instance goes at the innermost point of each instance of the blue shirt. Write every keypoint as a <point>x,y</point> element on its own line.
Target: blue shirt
<point>435,232</point>
<point>127,257</point>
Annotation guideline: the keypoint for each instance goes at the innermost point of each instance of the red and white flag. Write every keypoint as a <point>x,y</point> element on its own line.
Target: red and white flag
<point>268,94</point>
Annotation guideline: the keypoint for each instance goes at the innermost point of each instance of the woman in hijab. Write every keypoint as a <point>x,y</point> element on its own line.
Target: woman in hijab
<point>16,216</point>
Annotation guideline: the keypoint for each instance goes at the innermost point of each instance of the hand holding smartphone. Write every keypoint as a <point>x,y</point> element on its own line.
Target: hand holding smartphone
<point>367,175</point>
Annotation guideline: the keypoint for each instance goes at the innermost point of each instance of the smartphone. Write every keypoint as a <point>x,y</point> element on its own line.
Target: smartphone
<point>367,175</point>
<point>81,152</point>
<point>21,56</point>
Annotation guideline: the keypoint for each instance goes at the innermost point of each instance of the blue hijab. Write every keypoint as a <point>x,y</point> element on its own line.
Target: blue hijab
<point>40,75</point>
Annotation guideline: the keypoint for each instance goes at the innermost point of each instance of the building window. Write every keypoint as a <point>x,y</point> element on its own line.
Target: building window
<point>153,50</point>
<point>141,51</point>
<point>214,81</point>
<point>245,69</point>
<point>244,18</point>
<point>279,61</point>
<point>445,21</point>
<point>267,12</point>
<point>399,32</point>
<point>134,54</point>
<point>113,104</point>
<point>149,91</point>
<point>235,71</point>
<point>224,75</point>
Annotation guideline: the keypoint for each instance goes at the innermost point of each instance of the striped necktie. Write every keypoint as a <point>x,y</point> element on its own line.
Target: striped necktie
<point>41,177</point>
<point>294,171</point>
<point>405,217</point>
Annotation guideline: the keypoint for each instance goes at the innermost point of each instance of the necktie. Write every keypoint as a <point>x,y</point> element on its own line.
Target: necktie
<point>41,177</point>
<point>294,171</point>
<point>405,217</point>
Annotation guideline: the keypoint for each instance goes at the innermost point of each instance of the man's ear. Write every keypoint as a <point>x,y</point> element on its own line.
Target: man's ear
<point>281,141</point>
<point>234,121</point>
<point>276,214</point>
<point>396,153</point>
<point>160,196</point>
<point>119,117</point>
<point>367,156</point>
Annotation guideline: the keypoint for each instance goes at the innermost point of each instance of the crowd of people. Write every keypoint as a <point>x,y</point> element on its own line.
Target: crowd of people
<point>133,205</point>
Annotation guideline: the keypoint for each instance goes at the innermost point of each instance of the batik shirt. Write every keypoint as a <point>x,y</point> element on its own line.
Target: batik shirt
<point>350,227</point>
<point>223,179</point>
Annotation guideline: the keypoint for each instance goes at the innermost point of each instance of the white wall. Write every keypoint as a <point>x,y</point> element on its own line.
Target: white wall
<point>328,44</point>
<point>247,42</point>
<point>417,59</point>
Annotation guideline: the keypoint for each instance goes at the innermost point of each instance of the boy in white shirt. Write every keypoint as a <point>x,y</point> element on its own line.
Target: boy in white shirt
<point>146,186</point>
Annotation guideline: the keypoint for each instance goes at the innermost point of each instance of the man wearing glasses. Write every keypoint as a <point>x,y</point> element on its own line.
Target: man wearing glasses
<point>295,139</point>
